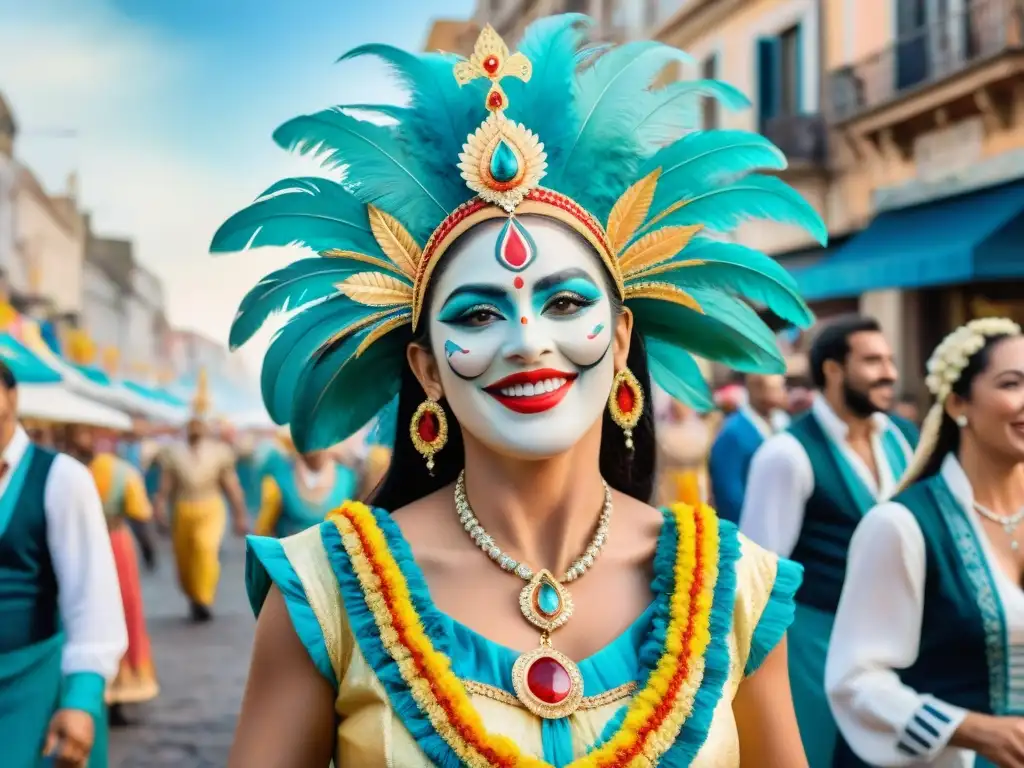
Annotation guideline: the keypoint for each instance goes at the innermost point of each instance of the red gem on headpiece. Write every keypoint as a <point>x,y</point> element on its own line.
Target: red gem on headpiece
<point>428,427</point>
<point>495,101</point>
<point>625,398</point>
<point>490,64</point>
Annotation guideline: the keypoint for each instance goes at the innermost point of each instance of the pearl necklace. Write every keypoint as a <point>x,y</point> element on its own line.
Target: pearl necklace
<point>547,682</point>
<point>1009,522</point>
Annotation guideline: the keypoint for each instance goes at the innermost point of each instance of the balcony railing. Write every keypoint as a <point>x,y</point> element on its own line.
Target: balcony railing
<point>984,30</point>
<point>800,137</point>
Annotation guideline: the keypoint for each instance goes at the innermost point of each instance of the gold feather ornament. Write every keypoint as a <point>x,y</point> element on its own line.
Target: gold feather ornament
<point>375,289</point>
<point>630,210</point>
<point>397,244</point>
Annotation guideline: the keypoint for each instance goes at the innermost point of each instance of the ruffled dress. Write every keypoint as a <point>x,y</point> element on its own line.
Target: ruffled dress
<point>415,688</point>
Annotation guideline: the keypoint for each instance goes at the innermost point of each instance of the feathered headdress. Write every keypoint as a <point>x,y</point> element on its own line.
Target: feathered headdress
<point>564,129</point>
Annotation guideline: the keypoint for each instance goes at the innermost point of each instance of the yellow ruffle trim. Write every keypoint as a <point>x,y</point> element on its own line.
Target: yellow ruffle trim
<point>653,719</point>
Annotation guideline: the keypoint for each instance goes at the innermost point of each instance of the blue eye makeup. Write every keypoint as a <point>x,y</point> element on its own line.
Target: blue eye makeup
<point>468,303</point>
<point>576,289</point>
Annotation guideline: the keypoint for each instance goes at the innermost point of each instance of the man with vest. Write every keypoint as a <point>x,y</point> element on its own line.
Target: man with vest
<point>809,486</point>
<point>62,627</point>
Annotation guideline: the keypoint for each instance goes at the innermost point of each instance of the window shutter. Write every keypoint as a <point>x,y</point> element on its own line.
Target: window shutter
<point>768,71</point>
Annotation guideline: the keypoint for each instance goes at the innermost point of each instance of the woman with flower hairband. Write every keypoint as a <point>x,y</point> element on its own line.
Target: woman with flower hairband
<point>514,257</point>
<point>926,662</point>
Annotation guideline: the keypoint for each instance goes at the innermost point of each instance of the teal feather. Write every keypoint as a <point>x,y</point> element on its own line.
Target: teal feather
<point>675,108</point>
<point>441,113</point>
<point>612,97</point>
<point>728,331</point>
<point>739,270</point>
<point>296,344</point>
<point>391,112</point>
<point>339,393</point>
<point>586,55</point>
<point>290,289</point>
<point>365,150</point>
<point>676,372</point>
<point>540,104</point>
<point>318,213</point>
<point>752,197</point>
<point>703,160</point>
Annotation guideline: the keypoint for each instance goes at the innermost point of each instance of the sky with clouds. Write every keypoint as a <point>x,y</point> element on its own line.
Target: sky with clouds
<point>165,109</point>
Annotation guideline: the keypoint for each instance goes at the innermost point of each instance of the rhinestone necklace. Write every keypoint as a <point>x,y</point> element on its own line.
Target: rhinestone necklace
<point>1009,522</point>
<point>547,682</point>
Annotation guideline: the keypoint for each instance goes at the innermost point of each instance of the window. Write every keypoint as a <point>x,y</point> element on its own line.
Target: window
<point>789,71</point>
<point>577,6</point>
<point>779,75</point>
<point>709,106</point>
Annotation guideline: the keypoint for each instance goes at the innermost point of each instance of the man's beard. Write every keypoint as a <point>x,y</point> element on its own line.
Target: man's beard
<point>859,402</point>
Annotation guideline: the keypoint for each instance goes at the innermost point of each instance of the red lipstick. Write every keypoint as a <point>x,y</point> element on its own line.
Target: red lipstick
<point>546,387</point>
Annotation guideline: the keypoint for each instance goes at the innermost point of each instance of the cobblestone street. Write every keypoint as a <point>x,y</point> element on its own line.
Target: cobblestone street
<point>202,671</point>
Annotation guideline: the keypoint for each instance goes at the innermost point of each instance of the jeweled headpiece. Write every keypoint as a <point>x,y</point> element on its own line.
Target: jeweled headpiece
<point>563,129</point>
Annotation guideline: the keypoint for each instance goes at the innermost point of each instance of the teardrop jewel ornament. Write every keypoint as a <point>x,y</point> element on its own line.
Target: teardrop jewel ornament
<point>504,163</point>
<point>515,249</point>
<point>428,430</point>
<point>545,603</point>
<point>626,403</point>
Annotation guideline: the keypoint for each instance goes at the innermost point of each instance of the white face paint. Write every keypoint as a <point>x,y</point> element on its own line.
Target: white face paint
<point>523,336</point>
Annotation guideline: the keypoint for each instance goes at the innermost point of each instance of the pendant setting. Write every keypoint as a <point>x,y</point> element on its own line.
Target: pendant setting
<point>545,603</point>
<point>547,682</point>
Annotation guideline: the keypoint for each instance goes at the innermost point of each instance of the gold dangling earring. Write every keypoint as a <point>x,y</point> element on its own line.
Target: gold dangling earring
<point>429,431</point>
<point>626,403</point>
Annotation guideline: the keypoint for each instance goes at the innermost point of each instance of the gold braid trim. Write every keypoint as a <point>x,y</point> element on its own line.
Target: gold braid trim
<point>610,696</point>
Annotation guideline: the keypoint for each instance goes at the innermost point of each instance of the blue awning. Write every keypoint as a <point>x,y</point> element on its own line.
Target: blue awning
<point>961,239</point>
<point>27,367</point>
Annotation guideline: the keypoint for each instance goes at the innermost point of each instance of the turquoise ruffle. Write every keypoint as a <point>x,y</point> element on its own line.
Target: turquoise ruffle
<point>777,615</point>
<point>716,658</point>
<point>266,563</point>
<point>364,629</point>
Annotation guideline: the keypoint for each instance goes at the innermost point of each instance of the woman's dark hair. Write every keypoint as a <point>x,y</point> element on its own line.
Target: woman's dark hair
<point>407,479</point>
<point>948,440</point>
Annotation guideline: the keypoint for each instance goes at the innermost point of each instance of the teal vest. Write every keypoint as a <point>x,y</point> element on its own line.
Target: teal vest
<point>28,584</point>
<point>297,513</point>
<point>839,501</point>
<point>963,615</point>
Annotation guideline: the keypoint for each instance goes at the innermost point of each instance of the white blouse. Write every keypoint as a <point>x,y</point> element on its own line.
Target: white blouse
<point>878,630</point>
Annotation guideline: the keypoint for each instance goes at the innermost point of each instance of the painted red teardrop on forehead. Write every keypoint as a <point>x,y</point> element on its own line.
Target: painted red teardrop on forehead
<point>515,249</point>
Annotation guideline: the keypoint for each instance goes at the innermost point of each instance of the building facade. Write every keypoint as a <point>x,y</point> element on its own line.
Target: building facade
<point>616,19</point>
<point>903,123</point>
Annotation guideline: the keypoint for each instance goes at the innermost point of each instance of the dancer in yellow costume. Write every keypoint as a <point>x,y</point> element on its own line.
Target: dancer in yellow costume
<point>196,477</point>
<point>513,261</point>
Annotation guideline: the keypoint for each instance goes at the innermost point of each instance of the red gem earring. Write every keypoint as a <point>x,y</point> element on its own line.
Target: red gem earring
<point>626,403</point>
<point>429,431</point>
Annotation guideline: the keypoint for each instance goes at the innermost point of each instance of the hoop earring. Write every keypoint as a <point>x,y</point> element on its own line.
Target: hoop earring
<point>626,403</point>
<point>429,431</point>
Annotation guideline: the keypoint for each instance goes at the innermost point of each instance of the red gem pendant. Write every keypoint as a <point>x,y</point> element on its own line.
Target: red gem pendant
<point>495,100</point>
<point>548,680</point>
<point>547,683</point>
<point>490,64</point>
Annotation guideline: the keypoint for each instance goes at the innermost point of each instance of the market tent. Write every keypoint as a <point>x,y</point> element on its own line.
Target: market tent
<point>54,402</point>
<point>26,366</point>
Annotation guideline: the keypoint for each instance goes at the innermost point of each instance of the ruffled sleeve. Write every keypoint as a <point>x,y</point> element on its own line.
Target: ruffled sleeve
<point>299,568</point>
<point>765,592</point>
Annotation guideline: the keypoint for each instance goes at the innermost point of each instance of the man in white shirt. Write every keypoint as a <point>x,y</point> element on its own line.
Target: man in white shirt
<point>809,486</point>
<point>62,627</point>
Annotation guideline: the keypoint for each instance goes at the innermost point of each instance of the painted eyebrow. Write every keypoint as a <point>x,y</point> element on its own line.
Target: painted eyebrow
<point>480,289</point>
<point>549,282</point>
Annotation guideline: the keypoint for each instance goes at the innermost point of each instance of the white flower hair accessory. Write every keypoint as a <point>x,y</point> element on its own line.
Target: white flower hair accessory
<point>945,367</point>
<point>950,358</point>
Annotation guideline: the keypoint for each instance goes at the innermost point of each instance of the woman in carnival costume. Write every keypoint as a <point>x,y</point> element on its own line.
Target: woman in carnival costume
<point>299,491</point>
<point>511,258</point>
<point>924,663</point>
